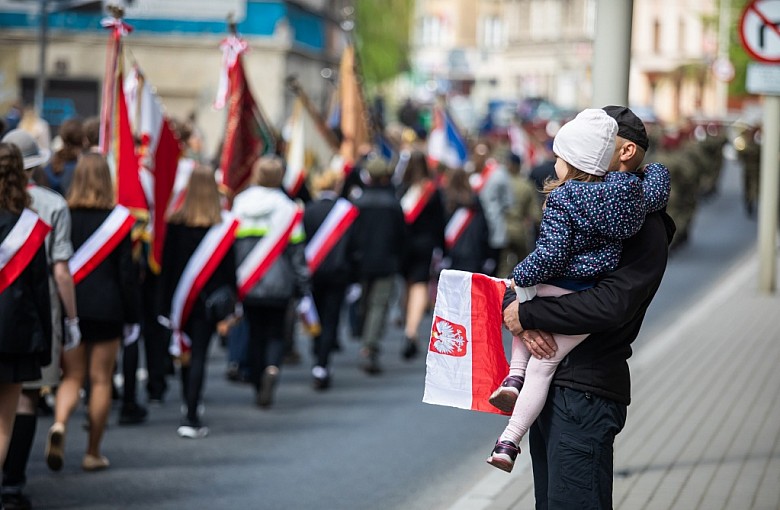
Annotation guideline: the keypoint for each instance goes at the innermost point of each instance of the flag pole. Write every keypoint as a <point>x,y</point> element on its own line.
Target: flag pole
<point>293,84</point>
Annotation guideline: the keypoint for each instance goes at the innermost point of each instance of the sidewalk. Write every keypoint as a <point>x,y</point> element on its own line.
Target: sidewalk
<point>703,431</point>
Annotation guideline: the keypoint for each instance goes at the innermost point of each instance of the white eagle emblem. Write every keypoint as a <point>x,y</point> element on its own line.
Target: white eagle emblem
<point>447,339</point>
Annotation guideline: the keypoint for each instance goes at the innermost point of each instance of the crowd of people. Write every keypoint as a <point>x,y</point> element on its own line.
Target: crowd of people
<point>250,267</point>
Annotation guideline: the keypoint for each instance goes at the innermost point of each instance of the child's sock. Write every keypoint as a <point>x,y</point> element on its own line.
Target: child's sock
<point>511,435</point>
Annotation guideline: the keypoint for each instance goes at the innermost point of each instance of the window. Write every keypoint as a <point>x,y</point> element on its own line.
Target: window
<point>657,37</point>
<point>492,32</point>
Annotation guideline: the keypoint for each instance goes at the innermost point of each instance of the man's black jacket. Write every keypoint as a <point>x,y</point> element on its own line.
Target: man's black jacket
<point>612,312</point>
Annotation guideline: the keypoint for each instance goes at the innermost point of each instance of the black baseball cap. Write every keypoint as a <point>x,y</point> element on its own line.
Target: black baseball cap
<point>630,126</point>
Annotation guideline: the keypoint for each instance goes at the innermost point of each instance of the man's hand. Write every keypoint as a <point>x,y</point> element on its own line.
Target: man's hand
<point>512,319</point>
<point>540,344</point>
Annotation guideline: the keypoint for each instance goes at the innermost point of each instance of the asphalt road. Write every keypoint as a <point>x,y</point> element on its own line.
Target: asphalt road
<point>366,443</point>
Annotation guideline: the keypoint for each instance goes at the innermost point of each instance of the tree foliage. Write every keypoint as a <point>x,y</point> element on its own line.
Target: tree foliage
<point>737,54</point>
<point>382,38</point>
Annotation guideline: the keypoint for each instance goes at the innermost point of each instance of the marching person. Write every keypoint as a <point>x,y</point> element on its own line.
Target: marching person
<point>59,173</point>
<point>108,297</point>
<point>53,209</point>
<point>327,221</point>
<point>25,315</point>
<point>377,245</point>
<point>198,286</point>
<point>272,270</point>
<point>466,233</point>
<point>424,214</point>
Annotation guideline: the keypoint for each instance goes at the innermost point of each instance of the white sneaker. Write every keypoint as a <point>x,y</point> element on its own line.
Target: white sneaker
<point>192,432</point>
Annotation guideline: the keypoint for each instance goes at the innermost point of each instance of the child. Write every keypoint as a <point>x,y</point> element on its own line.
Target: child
<point>587,212</point>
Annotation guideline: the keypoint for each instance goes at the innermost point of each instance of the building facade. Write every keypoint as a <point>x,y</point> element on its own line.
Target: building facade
<point>176,43</point>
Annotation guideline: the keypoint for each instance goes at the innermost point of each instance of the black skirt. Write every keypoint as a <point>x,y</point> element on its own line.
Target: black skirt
<point>99,331</point>
<point>19,368</point>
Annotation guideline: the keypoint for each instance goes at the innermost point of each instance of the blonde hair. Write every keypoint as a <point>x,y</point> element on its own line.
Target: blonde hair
<point>268,171</point>
<point>327,180</point>
<point>201,207</point>
<point>572,174</point>
<point>91,187</point>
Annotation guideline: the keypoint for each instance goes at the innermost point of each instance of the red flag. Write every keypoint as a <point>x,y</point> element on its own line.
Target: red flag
<point>129,191</point>
<point>247,135</point>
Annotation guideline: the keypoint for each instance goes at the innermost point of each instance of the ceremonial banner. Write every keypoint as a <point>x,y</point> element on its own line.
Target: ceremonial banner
<point>415,199</point>
<point>101,243</point>
<point>202,264</point>
<point>20,246</point>
<point>296,153</point>
<point>466,360</point>
<point>336,223</point>
<point>268,249</point>
<point>248,135</point>
<point>458,223</point>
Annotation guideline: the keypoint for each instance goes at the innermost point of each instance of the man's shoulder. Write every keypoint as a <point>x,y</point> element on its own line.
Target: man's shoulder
<point>48,196</point>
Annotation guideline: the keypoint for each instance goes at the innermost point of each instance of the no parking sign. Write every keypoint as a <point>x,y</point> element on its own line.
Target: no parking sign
<point>759,30</point>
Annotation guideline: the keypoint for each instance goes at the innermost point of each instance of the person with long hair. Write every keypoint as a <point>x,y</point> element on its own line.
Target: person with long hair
<point>59,172</point>
<point>186,232</point>
<point>424,214</point>
<point>107,299</point>
<point>466,245</point>
<point>25,320</point>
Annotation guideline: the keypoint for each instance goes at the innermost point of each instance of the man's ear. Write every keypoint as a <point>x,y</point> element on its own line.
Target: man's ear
<point>627,151</point>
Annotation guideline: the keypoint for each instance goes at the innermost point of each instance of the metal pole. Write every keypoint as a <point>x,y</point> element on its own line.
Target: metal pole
<point>40,82</point>
<point>612,52</point>
<point>768,195</point>
<point>722,87</point>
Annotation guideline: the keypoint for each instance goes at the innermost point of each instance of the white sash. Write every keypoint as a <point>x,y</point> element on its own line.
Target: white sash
<point>268,249</point>
<point>202,264</point>
<point>415,200</point>
<point>457,225</point>
<point>20,245</point>
<point>336,223</point>
<point>478,181</point>
<point>101,243</point>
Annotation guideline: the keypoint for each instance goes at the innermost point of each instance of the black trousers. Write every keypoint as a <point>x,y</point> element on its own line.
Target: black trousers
<point>328,298</point>
<point>266,338</point>
<point>156,339</point>
<point>571,446</point>
<point>193,375</point>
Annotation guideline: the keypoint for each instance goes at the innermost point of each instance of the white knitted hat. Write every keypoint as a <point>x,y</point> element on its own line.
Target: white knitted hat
<point>588,141</point>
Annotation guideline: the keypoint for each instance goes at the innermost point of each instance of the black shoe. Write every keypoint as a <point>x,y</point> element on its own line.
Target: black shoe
<point>265,394</point>
<point>16,502</point>
<point>132,414</point>
<point>320,378</point>
<point>410,349</point>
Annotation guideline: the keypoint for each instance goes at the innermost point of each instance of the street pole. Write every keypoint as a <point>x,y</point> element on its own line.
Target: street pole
<point>612,52</point>
<point>40,82</point>
<point>721,86</point>
<point>768,194</point>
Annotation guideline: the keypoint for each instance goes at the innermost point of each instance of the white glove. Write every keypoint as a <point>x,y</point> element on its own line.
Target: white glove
<point>72,334</point>
<point>353,293</point>
<point>130,333</point>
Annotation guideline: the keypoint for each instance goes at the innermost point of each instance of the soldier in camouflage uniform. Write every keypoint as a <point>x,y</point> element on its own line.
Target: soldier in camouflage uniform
<point>685,186</point>
<point>521,219</point>
<point>712,142</point>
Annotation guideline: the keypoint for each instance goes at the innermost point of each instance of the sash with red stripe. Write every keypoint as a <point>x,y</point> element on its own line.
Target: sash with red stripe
<point>478,181</point>
<point>20,246</point>
<point>268,249</point>
<point>202,264</point>
<point>458,223</point>
<point>336,223</point>
<point>101,243</point>
<point>415,199</point>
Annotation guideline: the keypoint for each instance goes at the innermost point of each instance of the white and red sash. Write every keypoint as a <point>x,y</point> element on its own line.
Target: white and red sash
<point>202,264</point>
<point>20,246</point>
<point>479,180</point>
<point>458,223</point>
<point>336,223</point>
<point>415,199</point>
<point>101,243</point>
<point>268,249</point>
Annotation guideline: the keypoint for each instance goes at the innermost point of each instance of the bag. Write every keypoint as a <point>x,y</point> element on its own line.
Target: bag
<point>220,304</point>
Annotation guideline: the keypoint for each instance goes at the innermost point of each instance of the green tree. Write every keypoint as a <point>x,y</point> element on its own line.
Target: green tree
<point>382,38</point>
<point>737,53</point>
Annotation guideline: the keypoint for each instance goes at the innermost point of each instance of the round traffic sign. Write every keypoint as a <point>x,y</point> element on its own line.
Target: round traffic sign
<point>759,30</point>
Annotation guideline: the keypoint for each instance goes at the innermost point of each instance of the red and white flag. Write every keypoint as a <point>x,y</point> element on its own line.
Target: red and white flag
<point>159,154</point>
<point>101,243</point>
<point>466,360</point>
<point>458,224</point>
<point>336,223</point>
<point>260,259</point>
<point>415,199</point>
<point>296,153</point>
<point>20,246</point>
<point>202,264</point>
